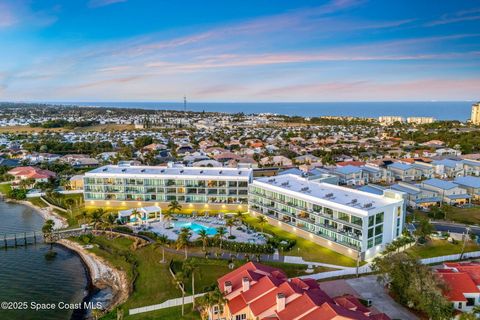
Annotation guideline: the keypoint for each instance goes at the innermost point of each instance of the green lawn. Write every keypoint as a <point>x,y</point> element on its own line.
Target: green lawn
<point>168,314</point>
<point>37,202</point>
<point>436,248</point>
<point>307,249</point>
<point>461,215</point>
<point>152,281</point>
<point>5,187</point>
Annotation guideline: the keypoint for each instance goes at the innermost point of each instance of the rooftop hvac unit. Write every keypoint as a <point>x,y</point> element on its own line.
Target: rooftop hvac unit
<point>329,195</point>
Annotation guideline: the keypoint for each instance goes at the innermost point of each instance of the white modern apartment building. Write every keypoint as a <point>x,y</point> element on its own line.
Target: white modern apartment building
<point>351,222</point>
<point>195,188</point>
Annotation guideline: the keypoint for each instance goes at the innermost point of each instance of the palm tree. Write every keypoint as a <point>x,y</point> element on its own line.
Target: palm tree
<point>230,223</point>
<point>262,220</point>
<point>96,217</point>
<point>240,217</point>
<point>162,240</point>
<point>203,236</point>
<point>174,206</point>
<point>221,232</point>
<point>136,214</point>
<point>83,215</point>
<point>189,268</point>
<point>178,280</point>
<point>167,216</point>
<point>110,220</point>
<point>69,202</point>
<point>183,240</point>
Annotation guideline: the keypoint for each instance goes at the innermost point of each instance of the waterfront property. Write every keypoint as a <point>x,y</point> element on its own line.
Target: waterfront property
<point>256,291</point>
<point>351,222</point>
<point>194,188</point>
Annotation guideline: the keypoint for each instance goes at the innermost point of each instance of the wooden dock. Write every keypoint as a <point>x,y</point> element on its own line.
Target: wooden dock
<point>34,237</point>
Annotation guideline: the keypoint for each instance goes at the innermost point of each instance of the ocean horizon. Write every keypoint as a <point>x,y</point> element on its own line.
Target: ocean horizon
<point>441,110</point>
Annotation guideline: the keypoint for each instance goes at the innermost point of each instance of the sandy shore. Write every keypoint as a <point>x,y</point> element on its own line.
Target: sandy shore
<point>46,213</point>
<point>102,273</point>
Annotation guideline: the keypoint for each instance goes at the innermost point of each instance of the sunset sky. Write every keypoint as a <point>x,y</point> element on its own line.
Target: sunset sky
<point>261,50</point>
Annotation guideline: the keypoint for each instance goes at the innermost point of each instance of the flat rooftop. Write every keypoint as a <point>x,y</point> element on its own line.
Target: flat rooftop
<point>325,192</point>
<point>170,172</point>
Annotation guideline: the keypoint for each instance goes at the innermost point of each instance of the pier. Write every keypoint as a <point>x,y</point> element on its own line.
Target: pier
<point>34,237</point>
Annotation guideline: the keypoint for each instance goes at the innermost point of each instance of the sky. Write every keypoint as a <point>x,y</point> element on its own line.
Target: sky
<point>239,50</point>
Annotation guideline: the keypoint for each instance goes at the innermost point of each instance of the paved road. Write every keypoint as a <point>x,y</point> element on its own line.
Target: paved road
<point>368,288</point>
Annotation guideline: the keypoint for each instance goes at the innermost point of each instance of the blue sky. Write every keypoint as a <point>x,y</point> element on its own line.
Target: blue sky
<point>261,50</point>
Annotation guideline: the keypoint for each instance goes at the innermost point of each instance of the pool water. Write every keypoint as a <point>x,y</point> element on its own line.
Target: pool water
<point>195,227</point>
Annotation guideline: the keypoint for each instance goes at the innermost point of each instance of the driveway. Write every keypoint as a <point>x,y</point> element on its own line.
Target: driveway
<point>368,288</point>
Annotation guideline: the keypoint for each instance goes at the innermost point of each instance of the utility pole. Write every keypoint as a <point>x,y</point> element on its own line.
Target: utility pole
<point>185,104</point>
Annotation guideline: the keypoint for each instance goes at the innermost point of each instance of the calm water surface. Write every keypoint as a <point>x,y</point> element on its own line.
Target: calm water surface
<point>442,110</point>
<point>25,274</point>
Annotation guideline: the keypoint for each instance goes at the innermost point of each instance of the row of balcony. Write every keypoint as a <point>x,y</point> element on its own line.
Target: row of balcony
<point>307,210</point>
<point>265,209</point>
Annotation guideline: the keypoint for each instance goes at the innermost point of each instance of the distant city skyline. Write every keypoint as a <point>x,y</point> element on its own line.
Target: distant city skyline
<point>249,51</point>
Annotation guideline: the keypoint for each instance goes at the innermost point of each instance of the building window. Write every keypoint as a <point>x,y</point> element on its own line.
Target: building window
<point>379,218</point>
<point>371,221</point>
<point>242,316</point>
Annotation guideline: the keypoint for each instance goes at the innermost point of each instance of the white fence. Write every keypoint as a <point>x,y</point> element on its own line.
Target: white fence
<point>339,273</point>
<point>167,304</point>
<point>452,257</point>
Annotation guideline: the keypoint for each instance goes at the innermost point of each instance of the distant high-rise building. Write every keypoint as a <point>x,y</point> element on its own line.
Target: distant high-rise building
<point>420,120</point>
<point>387,120</point>
<point>475,119</point>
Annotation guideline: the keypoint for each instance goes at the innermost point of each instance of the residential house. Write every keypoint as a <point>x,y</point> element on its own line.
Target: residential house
<point>470,184</point>
<point>449,192</point>
<point>255,291</point>
<point>471,167</point>
<point>33,173</point>
<point>448,152</point>
<point>376,174</point>
<point>447,168</point>
<point>280,161</point>
<point>404,172</point>
<point>416,196</point>
<point>351,175</point>
<point>462,284</point>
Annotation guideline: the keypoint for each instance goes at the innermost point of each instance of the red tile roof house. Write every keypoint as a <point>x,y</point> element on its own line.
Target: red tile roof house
<point>37,174</point>
<point>256,291</point>
<point>462,281</point>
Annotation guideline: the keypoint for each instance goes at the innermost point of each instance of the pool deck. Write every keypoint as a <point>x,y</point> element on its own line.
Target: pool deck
<point>172,233</point>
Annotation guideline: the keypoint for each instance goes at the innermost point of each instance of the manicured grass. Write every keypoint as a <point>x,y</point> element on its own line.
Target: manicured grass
<point>173,313</point>
<point>5,187</point>
<point>307,249</point>
<point>437,248</point>
<point>461,215</point>
<point>152,281</point>
<point>37,202</point>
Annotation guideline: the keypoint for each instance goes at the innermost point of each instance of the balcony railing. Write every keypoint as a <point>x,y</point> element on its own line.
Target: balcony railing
<point>265,210</point>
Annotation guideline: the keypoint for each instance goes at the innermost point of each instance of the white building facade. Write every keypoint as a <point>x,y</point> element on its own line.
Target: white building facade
<point>351,222</point>
<point>195,188</point>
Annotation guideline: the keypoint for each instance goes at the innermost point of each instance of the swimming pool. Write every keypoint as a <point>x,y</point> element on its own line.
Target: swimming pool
<point>195,227</point>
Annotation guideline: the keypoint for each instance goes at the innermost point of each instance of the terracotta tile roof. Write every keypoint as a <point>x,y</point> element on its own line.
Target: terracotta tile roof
<point>304,298</point>
<point>32,172</point>
<point>457,283</point>
<point>471,268</point>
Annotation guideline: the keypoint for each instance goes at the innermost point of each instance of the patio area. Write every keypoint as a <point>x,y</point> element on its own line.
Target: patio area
<point>208,223</point>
